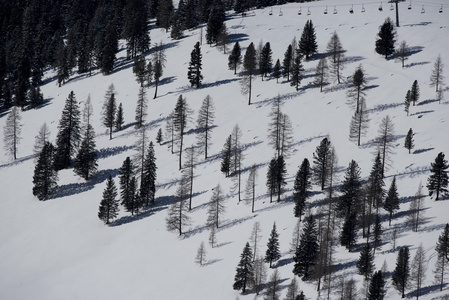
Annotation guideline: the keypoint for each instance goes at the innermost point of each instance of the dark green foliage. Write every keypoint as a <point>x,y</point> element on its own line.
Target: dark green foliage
<point>277,71</point>
<point>301,296</point>
<point>250,68</point>
<point>348,235</point>
<point>276,177</point>
<point>442,249</point>
<point>69,135</point>
<point>377,289</point>
<point>108,49</point>
<point>273,254</point>
<point>235,58</point>
<point>119,118</point>
<point>401,273</point>
<point>148,180</point>
<point>135,18</point>
<point>244,271</point>
<point>307,250</point>
<point>287,62</point>
<point>195,66</point>
<point>159,136</point>
<point>177,26</point>
<point>180,116</point>
<point>407,101</point>
<point>356,91</point>
<point>139,67</point>
<point>109,110</point>
<point>414,92</point>
<point>109,205</point>
<point>302,187</point>
<point>386,38</point>
<point>307,43</point>
<point>127,188</point>
<point>409,143</point>
<point>215,22</point>
<point>141,108</point>
<point>45,176</point>
<point>226,157</point>
<point>164,15</point>
<point>296,71</point>
<point>35,97</point>
<point>438,180</point>
<point>377,234</point>
<point>320,162</point>
<point>392,200</point>
<point>85,163</point>
<point>365,264</point>
<point>266,60</point>
<point>375,191</point>
<point>350,190</point>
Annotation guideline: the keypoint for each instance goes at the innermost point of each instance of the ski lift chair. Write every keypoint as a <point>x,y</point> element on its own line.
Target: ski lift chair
<point>299,12</point>
<point>351,10</point>
<point>380,7</point>
<point>280,13</point>
<point>308,12</point>
<point>335,10</point>
<point>423,10</point>
<point>325,11</point>
<point>271,12</point>
<point>410,5</point>
<point>363,8</point>
<point>391,6</point>
<point>441,9</point>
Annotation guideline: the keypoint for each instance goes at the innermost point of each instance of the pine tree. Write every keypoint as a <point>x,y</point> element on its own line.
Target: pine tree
<point>109,205</point>
<point>377,234</point>
<point>148,179</point>
<point>216,207</point>
<point>336,57</point>
<point>409,142</point>
<point>11,132</point>
<point>215,22</point>
<point>195,66</point>
<point>351,190</point>
<point>35,97</point>
<point>45,176</point>
<point>135,18</point>
<point>226,157</point>
<point>302,187</point>
<point>436,77</point>
<point>287,62</point>
<point>377,289</point>
<point>321,73</point>
<point>266,60</point>
<point>307,43</point>
<point>320,162</point>
<point>41,139</point>
<point>391,203</point>
<point>119,118</point>
<point>401,273</point>
<point>386,38</point>
<point>85,162</point>
<point>277,70</point>
<point>206,116</point>
<point>180,118</point>
<point>296,71</point>
<point>348,235</point>
<point>235,58</point>
<point>109,109</point>
<point>307,250</point>
<point>375,192</point>
<point>365,264</point>
<point>273,254</point>
<point>414,92</point>
<point>250,190</point>
<point>280,174</point>
<point>442,249</point>
<point>141,108</point>
<point>438,180</point>
<point>178,216</point>
<point>273,286</point>
<point>200,257</point>
<point>69,136</point>
<point>139,69</point>
<point>418,269</point>
<point>250,68</point>
<point>385,141</point>
<point>159,60</point>
<point>127,193</point>
<point>357,87</point>
<point>292,290</point>
<point>159,138</point>
<point>244,271</point>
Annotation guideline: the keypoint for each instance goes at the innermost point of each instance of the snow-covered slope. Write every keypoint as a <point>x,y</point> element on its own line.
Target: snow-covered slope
<point>59,249</point>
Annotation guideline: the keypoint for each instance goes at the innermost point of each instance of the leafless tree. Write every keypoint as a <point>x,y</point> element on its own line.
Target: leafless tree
<point>188,170</point>
<point>436,77</point>
<point>359,123</point>
<point>402,52</point>
<point>416,210</point>
<point>357,88</point>
<point>250,190</point>
<point>178,216</point>
<point>200,257</point>
<point>256,235</point>
<point>41,138</point>
<point>385,141</point>
<point>418,269</point>
<point>336,56</point>
<point>216,207</point>
<point>273,286</point>
<point>321,73</point>
<point>206,116</point>
<point>11,132</point>
<point>260,275</point>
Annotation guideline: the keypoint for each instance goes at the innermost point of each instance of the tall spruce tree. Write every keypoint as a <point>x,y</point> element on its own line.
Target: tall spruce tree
<point>109,109</point>
<point>180,117</point>
<point>141,108</point>
<point>386,38</point>
<point>414,92</point>
<point>438,180</point>
<point>307,250</point>
<point>119,118</point>
<point>401,273</point>
<point>148,179</point>
<point>215,22</point>
<point>320,162</point>
<point>135,18</point>
<point>244,271</point>
<point>348,235</point>
<point>69,135</point>
<point>409,142</point>
<point>277,70</point>
<point>407,102</point>
<point>391,203</point>
<point>365,264</point>
<point>266,60</point>
<point>302,188</point>
<point>125,176</point>
<point>235,58</point>
<point>307,43</point>
<point>45,176</point>
<point>195,66</point>
<point>351,190</point>
<point>377,288</point>
<point>273,253</point>
<point>85,163</point>
<point>250,69</point>
<point>296,72</point>
<point>226,157</point>
<point>357,88</point>
<point>287,62</point>
<point>109,205</point>
<point>442,249</point>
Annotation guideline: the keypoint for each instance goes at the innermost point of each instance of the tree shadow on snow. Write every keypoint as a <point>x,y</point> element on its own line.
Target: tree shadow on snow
<point>112,151</point>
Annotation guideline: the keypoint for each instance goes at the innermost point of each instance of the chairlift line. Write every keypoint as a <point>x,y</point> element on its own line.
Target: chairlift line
<point>351,10</point>
<point>363,8</point>
<point>335,9</point>
<point>380,7</point>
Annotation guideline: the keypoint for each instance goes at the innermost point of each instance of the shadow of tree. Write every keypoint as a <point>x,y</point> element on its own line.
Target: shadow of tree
<point>427,101</point>
<point>17,161</point>
<point>111,151</point>
<point>418,151</point>
<point>211,262</point>
<point>237,37</point>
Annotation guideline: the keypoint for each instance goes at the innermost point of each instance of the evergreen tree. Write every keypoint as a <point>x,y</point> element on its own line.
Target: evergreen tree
<point>377,289</point>
<point>351,190</point>
<point>215,22</point>
<point>409,142</point>
<point>401,273</point>
<point>377,234</point>
<point>141,108</point>
<point>11,132</point>
<point>307,250</point>
<point>287,62</point>
<point>45,176</point>
<point>109,109</point>
<point>365,264</point>
<point>375,192</point>
<point>277,70</point>
<point>226,157</point>
<point>235,58</point>
<point>307,43</point>
<point>68,137</point>
<point>244,271</point>
<point>385,141</point>
<point>386,38</point>
<point>320,162</point>
<point>356,91</point>
<point>216,208</point>
<point>159,138</point>
<point>407,102</point>
<point>135,18</point>
<point>436,77</point>
<point>195,66</point>
<point>348,235</point>
<point>273,254</point>
<point>391,203</point>
<point>159,61</point>
<point>109,48</point>
<point>442,249</point>
<point>180,117</point>
<point>266,60</point>
<point>35,97</point>
<point>127,193</point>
<point>148,179</point>
<point>206,116</point>
<point>85,163</point>
<point>280,174</point>
<point>119,118</point>
<point>139,69</point>
<point>250,68</point>
<point>438,180</point>
<point>337,56</point>
<point>109,205</point>
<point>414,92</point>
<point>302,187</point>
<point>178,216</point>
<point>296,71</point>
<point>271,178</point>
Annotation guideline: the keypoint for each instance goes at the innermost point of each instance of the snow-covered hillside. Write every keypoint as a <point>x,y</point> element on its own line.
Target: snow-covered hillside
<point>59,249</point>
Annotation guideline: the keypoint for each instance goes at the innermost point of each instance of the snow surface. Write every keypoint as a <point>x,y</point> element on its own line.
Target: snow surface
<point>59,249</point>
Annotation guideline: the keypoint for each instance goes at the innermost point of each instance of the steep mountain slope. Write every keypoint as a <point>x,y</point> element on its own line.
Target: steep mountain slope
<point>60,249</point>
